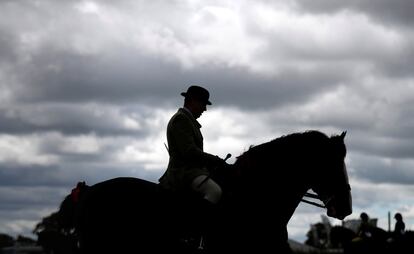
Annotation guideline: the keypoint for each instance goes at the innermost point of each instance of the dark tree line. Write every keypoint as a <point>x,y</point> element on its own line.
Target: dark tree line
<point>52,238</point>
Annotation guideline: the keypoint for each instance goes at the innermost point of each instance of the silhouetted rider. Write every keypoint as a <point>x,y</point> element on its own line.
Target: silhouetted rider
<point>189,165</point>
<point>399,228</point>
<point>365,228</point>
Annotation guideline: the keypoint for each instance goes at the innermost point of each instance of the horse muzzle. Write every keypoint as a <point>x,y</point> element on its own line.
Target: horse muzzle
<point>340,207</point>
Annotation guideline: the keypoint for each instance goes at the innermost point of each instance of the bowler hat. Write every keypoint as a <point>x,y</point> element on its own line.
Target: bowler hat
<point>199,93</point>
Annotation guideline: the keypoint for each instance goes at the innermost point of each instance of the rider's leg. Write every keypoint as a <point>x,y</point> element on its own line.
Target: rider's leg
<point>210,190</point>
<point>209,218</point>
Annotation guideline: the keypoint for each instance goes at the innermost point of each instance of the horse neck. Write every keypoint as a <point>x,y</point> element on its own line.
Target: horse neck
<point>274,183</point>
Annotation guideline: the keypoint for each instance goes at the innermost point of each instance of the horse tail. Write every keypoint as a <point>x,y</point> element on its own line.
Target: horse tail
<point>69,208</point>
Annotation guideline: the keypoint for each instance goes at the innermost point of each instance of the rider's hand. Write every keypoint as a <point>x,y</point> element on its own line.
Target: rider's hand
<point>219,162</point>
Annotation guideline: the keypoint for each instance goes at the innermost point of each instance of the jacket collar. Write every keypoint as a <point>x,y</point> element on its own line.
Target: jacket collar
<point>188,113</point>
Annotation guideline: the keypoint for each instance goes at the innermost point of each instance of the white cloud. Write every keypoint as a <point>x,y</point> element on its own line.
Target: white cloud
<point>16,227</point>
<point>88,7</point>
<point>150,153</point>
<point>24,150</point>
<point>83,144</point>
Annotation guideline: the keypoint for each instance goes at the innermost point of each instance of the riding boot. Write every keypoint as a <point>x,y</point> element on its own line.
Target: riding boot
<point>207,214</point>
<point>208,222</point>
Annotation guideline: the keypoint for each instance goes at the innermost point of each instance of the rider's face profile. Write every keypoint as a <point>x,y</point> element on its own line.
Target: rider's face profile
<point>198,108</point>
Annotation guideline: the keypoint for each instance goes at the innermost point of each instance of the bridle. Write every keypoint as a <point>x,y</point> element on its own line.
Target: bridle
<point>313,196</point>
<point>346,187</point>
<point>326,201</point>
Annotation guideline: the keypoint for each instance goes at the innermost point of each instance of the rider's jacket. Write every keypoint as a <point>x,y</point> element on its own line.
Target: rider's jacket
<point>185,147</point>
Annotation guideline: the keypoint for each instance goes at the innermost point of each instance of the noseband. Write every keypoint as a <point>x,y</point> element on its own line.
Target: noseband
<point>346,187</point>
<point>312,196</point>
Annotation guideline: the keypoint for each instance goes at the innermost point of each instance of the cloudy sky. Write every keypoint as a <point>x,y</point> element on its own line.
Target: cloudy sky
<point>87,88</point>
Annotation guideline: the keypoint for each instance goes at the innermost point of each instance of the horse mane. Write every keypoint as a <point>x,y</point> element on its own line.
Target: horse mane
<point>260,162</point>
<point>288,142</point>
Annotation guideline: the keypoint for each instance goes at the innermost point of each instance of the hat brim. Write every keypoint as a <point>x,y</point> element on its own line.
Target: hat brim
<point>185,95</point>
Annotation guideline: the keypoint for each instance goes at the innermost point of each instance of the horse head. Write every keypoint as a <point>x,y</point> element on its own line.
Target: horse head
<point>332,184</point>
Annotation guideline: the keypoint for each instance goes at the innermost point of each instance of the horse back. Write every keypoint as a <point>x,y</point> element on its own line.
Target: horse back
<point>130,212</point>
<point>127,194</point>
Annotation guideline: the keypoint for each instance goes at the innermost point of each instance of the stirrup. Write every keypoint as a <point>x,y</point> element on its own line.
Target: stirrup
<point>201,244</point>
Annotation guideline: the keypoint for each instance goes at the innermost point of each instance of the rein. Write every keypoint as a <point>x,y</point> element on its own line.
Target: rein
<point>315,196</point>
<point>209,176</point>
<point>312,196</point>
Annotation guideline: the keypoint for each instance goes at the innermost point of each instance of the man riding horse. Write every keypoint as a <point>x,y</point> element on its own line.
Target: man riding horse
<point>261,191</point>
<point>189,166</point>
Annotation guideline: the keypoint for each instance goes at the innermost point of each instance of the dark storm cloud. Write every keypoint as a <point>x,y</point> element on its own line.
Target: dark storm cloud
<point>127,76</point>
<point>74,118</point>
<point>400,65</point>
<point>124,78</point>
<point>398,12</point>
<point>375,169</point>
<point>249,91</point>
<point>29,176</point>
<point>386,146</point>
<point>7,48</point>
<point>36,197</point>
<point>58,73</point>
<point>66,175</point>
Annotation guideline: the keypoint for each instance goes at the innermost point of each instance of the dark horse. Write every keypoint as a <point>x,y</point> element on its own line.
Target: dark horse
<point>261,192</point>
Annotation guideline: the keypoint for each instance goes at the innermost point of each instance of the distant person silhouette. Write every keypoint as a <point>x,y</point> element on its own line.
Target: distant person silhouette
<point>365,228</point>
<point>189,166</point>
<point>399,228</point>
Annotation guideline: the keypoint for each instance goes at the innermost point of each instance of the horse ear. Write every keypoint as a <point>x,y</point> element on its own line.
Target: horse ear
<point>343,134</point>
